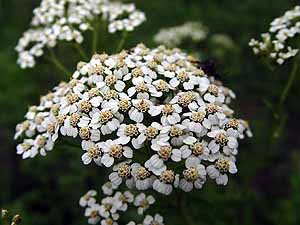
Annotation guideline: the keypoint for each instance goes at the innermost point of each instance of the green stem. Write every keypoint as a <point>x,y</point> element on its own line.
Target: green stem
<point>122,41</point>
<point>278,130</point>
<point>95,38</point>
<point>80,51</point>
<point>289,84</point>
<point>57,63</point>
<point>280,116</point>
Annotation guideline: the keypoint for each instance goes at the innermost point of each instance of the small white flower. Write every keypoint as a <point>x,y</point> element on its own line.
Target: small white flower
<point>25,149</point>
<point>143,202</point>
<point>93,213</point>
<point>165,182</point>
<point>157,219</point>
<point>129,133</point>
<point>222,140</point>
<point>108,188</point>
<point>88,199</point>
<point>143,179</point>
<point>122,171</point>
<point>170,113</point>
<point>220,168</point>
<point>93,153</point>
<point>140,107</point>
<point>113,150</point>
<point>193,176</point>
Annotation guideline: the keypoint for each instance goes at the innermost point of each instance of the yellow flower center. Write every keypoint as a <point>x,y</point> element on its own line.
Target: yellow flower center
<point>151,132</point>
<point>131,130</point>
<point>197,149</point>
<point>182,76</point>
<point>124,170</point>
<point>187,98</point>
<point>167,176</point>
<point>142,173</point>
<point>98,70</point>
<point>165,152</point>
<point>72,98</point>
<point>94,152</point>
<point>105,116</point>
<point>136,72</point>
<point>171,67</point>
<point>175,131</point>
<point>124,105</point>
<point>221,139</point>
<point>74,119</point>
<point>211,108</point>
<point>94,92</point>
<point>213,89</point>
<point>222,165</point>
<point>167,110</point>
<point>111,94</point>
<point>143,106</point>
<point>51,128</point>
<point>116,151</point>
<point>85,106</point>
<point>191,174</point>
<point>198,117</point>
<point>110,79</point>
<point>141,88</point>
<point>84,133</point>
<point>232,123</point>
<point>162,86</point>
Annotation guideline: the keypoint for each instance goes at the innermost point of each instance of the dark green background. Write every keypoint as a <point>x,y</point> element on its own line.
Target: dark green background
<point>265,191</point>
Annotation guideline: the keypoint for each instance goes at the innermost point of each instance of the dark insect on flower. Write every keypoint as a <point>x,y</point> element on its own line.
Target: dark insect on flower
<point>209,67</point>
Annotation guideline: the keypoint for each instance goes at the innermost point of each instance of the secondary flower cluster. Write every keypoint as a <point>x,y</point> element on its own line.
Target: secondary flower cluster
<point>275,44</point>
<point>107,212</point>
<point>152,115</point>
<point>174,36</point>
<point>67,20</point>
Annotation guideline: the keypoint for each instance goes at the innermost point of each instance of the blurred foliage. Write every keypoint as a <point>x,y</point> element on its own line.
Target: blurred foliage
<point>266,190</point>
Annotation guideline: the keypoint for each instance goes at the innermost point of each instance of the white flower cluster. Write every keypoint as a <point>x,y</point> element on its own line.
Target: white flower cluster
<point>174,36</point>
<point>107,212</point>
<point>67,20</point>
<point>152,115</point>
<point>275,44</point>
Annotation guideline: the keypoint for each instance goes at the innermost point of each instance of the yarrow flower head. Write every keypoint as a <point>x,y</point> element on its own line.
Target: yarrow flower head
<point>174,36</point>
<point>108,211</point>
<point>153,116</point>
<point>276,43</point>
<point>55,21</point>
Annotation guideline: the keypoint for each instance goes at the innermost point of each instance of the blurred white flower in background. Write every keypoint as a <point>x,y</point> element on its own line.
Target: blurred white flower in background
<point>56,21</point>
<point>278,44</point>
<point>174,36</point>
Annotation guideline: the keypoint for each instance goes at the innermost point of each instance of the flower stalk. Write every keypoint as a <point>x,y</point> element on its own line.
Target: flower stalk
<point>80,51</point>
<point>122,41</point>
<point>52,58</point>
<point>289,84</point>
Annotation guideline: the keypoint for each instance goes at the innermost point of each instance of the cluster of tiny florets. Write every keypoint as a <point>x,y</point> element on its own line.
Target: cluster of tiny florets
<point>275,44</point>
<point>174,36</point>
<point>108,211</point>
<point>152,115</point>
<point>67,20</point>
